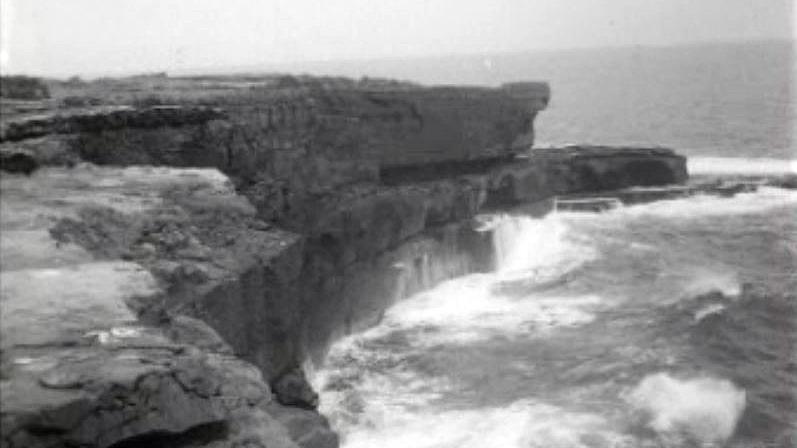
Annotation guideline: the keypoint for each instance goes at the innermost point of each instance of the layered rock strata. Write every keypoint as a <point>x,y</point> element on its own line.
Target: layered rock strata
<point>284,144</point>
<point>101,269</point>
<point>97,119</point>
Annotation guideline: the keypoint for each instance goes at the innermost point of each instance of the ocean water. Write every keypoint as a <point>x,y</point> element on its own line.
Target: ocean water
<point>669,324</point>
<point>710,100</point>
<point>718,99</point>
<point>664,325</point>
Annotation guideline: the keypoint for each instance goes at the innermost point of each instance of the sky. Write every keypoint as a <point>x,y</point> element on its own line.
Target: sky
<point>96,37</point>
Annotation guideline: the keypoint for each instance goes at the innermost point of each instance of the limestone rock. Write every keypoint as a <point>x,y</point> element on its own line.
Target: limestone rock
<point>589,168</point>
<point>17,161</point>
<point>94,349</point>
<point>187,330</point>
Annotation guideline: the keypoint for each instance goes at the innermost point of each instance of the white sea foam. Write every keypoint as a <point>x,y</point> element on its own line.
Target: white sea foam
<point>740,166</point>
<point>523,243</point>
<point>708,310</point>
<point>764,199</point>
<point>466,310</point>
<point>525,424</point>
<point>379,398</point>
<point>396,406</point>
<point>705,281</point>
<point>703,410</point>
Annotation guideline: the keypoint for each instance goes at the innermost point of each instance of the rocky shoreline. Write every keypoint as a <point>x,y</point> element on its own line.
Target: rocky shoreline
<point>164,281</point>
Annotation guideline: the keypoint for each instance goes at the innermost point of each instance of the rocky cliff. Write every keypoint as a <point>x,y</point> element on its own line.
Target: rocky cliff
<point>101,270</point>
<point>342,198</point>
<point>287,143</point>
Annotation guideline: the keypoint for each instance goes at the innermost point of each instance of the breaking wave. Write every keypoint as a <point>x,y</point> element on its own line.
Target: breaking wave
<point>470,308</point>
<point>526,245</point>
<point>555,348</point>
<point>702,410</point>
<point>524,423</point>
<point>706,281</point>
<point>766,198</point>
<point>751,166</point>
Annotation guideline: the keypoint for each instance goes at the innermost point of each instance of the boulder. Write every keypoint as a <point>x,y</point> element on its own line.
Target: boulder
<point>18,161</point>
<point>293,389</point>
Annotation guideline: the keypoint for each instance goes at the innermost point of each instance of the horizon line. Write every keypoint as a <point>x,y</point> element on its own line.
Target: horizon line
<point>284,68</point>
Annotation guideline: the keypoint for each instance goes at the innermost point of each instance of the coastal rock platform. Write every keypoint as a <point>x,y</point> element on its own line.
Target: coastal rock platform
<point>96,347</point>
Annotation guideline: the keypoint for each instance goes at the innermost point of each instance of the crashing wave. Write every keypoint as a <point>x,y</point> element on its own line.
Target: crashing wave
<point>701,410</point>
<point>744,166</point>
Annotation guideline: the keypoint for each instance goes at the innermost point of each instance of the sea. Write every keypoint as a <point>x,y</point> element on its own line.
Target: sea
<point>667,324</point>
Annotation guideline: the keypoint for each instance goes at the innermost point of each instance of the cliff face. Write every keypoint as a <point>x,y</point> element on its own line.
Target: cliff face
<point>360,172</point>
<point>353,197</point>
<point>284,145</point>
<point>545,173</point>
<point>101,270</point>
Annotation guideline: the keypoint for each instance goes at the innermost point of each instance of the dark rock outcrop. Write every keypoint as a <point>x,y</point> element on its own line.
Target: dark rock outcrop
<point>17,161</point>
<point>139,388</point>
<point>97,119</point>
<point>292,389</point>
<point>600,168</point>
<point>23,87</point>
<point>307,429</point>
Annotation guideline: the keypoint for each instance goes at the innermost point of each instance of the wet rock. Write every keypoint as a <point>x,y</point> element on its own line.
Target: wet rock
<point>293,389</point>
<point>592,168</point>
<point>18,161</point>
<point>307,428</point>
<point>58,379</point>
